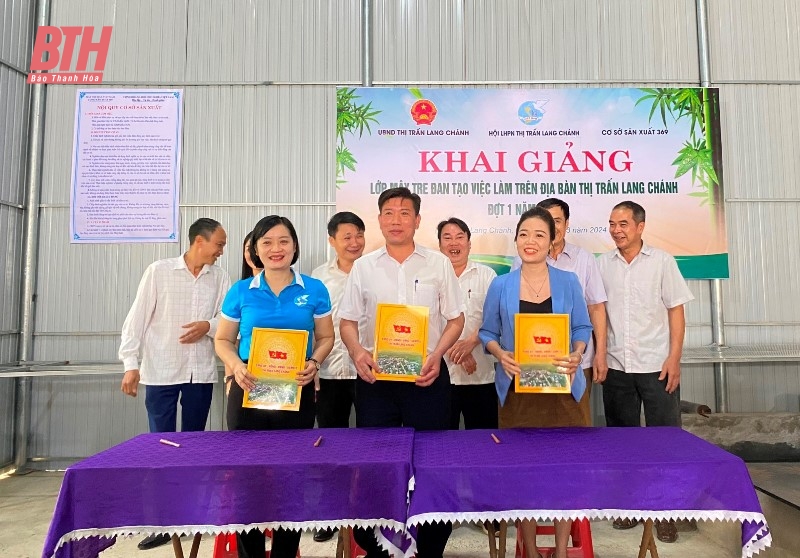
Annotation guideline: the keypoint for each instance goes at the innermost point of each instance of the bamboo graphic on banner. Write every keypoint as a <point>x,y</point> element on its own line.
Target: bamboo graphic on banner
<point>701,152</point>
<point>351,118</point>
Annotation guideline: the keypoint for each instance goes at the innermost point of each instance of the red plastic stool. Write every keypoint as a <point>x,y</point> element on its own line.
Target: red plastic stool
<point>581,535</point>
<point>346,537</point>
<point>225,546</point>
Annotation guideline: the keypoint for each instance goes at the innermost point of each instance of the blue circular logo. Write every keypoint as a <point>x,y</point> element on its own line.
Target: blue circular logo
<point>529,114</point>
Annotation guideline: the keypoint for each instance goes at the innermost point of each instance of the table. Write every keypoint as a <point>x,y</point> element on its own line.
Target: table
<point>574,473</point>
<point>218,482</point>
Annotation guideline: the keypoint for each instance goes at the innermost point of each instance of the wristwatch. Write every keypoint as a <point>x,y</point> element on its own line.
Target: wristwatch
<point>315,361</point>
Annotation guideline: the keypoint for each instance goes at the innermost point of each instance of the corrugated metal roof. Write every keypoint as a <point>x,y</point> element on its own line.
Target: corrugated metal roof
<point>299,41</point>
<point>579,40</point>
<point>754,40</point>
<point>16,38</point>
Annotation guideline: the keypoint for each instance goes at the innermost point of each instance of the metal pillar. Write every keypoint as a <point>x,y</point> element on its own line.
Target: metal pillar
<point>718,340</point>
<point>703,52</point>
<point>33,188</point>
<point>717,317</point>
<point>366,43</point>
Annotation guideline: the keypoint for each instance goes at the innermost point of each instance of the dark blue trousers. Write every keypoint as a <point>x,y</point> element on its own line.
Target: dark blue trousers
<point>161,403</point>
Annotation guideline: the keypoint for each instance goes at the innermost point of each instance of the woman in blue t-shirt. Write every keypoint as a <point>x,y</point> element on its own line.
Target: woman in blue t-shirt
<point>280,298</point>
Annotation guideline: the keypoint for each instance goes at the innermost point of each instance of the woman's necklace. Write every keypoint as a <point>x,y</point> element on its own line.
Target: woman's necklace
<point>536,292</point>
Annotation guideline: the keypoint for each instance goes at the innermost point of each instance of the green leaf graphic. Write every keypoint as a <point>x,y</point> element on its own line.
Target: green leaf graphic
<point>351,118</point>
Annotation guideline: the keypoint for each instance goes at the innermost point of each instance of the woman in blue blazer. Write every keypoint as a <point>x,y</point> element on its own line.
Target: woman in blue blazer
<point>535,288</point>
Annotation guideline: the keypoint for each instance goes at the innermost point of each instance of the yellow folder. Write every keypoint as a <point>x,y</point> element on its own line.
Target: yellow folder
<point>538,340</point>
<point>401,340</point>
<point>276,356</point>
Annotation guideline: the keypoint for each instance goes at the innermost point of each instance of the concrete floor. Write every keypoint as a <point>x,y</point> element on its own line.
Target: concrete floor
<point>27,502</point>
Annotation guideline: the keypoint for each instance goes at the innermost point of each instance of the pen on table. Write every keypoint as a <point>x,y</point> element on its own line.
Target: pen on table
<point>168,443</point>
<point>469,293</point>
<point>318,442</point>
<point>496,439</point>
<point>416,282</point>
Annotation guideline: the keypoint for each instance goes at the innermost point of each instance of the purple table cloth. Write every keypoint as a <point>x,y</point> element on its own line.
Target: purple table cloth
<point>573,473</point>
<point>218,482</point>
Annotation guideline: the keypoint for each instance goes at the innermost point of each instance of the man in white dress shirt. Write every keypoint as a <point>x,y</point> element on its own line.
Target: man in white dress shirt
<point>570,257</point>
<point>646,326</point>
<point>402,272</point>
<point>168,337</point>
<point>473,393</point>
<point>337,374</point>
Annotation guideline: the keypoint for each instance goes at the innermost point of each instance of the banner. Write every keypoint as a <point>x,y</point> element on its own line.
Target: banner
<point>488,155</point>
<point>126,166</point>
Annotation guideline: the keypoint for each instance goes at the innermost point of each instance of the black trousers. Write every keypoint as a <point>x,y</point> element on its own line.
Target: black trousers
<point>478,404</point>
<point>253,544</point>
<point>624,394</point>
<point>240,418</point>
<point>387,404</point>
<point>284,542</point>
<point>431,540</point>
<point>335,399</point>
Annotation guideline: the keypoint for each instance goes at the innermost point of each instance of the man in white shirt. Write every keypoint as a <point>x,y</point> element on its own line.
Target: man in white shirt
<point>402,272</point>
<point>171,327</point>
<point>646,326</point>
<point>337,374</point>
<point>569,257</point>
<point>473,393</point>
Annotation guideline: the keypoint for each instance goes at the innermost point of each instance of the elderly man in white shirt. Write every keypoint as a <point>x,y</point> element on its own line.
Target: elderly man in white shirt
<point>168,337</point>
<point>473,393</point>
<point>337,374</point>
<point>646,326</point>
<point>402,272</point>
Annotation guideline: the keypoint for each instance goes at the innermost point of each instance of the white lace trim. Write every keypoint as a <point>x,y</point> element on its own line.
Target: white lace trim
<point>761,540</point>
<point>391,548</point>
<point>183,530</point>
<point>758,542</point>
<point>387,544</point>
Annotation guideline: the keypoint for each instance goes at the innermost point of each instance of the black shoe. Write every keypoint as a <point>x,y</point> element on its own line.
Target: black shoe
<point>623,524</point>
<point>666,531</point>
<point>323,535</point>
<point>154,541</point>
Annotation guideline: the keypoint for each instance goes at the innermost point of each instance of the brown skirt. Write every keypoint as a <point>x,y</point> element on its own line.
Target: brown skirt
<point>546,410</point>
